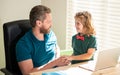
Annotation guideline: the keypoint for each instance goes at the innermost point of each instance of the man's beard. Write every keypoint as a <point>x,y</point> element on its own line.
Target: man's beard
<point>44,31</point>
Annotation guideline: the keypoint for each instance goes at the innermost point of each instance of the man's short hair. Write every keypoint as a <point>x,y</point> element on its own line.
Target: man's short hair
<point>38,13</point>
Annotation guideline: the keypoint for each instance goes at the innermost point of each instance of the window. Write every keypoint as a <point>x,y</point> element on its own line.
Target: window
<point>106,20</point>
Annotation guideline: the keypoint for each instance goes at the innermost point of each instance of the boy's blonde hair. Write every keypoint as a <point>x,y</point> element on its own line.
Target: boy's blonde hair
<point>86,19</point>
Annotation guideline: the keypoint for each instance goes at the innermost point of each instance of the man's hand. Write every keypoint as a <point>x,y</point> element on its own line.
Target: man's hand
<point>62,61</point>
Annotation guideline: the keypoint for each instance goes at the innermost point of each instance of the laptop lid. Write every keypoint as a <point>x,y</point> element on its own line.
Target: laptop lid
<point>105,59</point>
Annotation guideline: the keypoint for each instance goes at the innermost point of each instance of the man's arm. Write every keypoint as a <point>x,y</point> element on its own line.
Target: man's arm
<point>27,67</point>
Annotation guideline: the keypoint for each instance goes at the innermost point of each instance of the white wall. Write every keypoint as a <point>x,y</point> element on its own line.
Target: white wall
<point>19,9</point>
<point>13,10</point>
<point>58,8</point>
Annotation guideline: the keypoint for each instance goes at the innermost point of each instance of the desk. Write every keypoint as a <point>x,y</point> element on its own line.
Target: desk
<point>75,70</point>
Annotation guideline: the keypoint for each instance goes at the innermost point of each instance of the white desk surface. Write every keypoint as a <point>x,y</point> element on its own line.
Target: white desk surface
<point>75,70</point>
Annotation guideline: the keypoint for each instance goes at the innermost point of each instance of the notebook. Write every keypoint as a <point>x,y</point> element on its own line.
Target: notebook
<point>105,59</point>
<point>68,71</point>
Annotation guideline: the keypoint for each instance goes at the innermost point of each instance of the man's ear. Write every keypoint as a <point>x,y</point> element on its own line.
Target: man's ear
<point>38,23</point>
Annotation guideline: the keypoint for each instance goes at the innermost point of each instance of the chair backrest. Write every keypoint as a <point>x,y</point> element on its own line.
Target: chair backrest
<point>13,31</point>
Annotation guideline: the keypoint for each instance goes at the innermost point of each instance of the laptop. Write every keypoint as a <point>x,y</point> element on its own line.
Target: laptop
<point>105,59</point>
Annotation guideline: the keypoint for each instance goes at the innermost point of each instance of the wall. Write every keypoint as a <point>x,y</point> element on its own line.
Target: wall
<point>58,8</point>
<point>13,10</point>
<point>19,9</point>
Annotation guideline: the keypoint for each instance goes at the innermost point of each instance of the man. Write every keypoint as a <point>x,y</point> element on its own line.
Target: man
<point>37,49</point>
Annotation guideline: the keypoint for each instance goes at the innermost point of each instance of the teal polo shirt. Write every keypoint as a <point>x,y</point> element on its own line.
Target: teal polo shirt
<point>41,52</point>
<point>81,47</point>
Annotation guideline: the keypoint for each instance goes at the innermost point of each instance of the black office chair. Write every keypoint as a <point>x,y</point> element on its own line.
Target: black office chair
<point>13,31</point>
